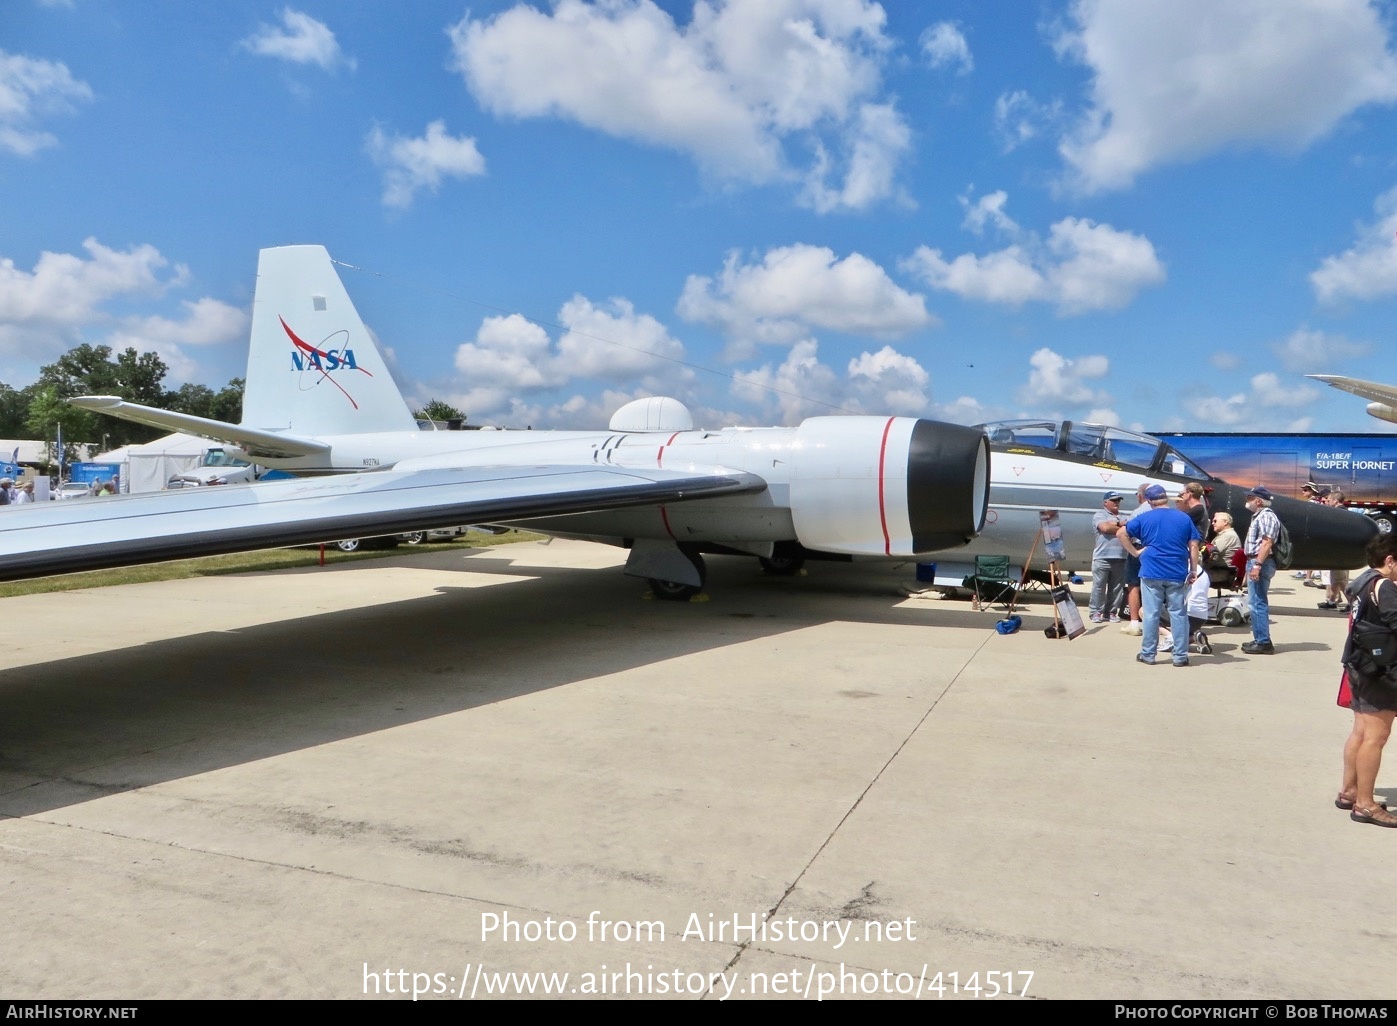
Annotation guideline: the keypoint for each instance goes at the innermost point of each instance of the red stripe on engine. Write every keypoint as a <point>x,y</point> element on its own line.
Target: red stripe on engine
<point>664,516</point>
<point>882,501</point>
<point>660,456</point>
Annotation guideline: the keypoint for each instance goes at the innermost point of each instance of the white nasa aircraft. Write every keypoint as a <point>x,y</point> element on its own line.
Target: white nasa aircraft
<point>319,402</point>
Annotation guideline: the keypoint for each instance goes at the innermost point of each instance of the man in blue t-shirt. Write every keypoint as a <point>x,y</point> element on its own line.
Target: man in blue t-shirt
<point>1167,543</point>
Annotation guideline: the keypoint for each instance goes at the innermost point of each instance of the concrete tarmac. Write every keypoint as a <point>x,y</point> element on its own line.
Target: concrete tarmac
<point>471,772</point>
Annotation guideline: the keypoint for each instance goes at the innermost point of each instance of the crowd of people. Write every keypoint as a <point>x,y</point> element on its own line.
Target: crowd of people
<point>1152,565</point>
<point>12,494</point>
<point>1154,560</point>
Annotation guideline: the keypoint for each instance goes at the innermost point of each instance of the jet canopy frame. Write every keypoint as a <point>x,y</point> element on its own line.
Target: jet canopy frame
<point>1097,442</point>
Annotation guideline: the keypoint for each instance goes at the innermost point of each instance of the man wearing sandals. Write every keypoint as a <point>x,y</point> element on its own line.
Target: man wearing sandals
<point>1374,701</point>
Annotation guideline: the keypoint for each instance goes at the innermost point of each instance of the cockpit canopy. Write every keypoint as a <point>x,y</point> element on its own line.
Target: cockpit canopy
<point>1097,442</point>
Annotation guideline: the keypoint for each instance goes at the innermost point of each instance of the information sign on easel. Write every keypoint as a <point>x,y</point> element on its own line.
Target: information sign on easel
<point>1053,546</point>
<point>1065,610</point>
<point>1067,619</point>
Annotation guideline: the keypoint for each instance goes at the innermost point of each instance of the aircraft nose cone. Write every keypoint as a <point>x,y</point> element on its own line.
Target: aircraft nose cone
<point>1328,538</point>
<point>1323,537</point>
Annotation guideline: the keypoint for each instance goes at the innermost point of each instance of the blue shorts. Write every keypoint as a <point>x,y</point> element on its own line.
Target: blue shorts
<point>1132,571</point>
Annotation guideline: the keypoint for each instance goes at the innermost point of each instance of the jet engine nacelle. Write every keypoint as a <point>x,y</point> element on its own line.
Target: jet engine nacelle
<point>887,486</point>
<point>1383,412</point>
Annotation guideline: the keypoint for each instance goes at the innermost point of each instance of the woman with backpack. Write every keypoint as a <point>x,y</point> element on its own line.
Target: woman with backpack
<point>1374,687</point>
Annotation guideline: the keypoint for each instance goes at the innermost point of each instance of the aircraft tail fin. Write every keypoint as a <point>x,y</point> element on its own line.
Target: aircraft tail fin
<point>313,367</point>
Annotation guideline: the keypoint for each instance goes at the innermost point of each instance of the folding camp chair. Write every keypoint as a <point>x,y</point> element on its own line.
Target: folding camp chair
<point>991,583</point>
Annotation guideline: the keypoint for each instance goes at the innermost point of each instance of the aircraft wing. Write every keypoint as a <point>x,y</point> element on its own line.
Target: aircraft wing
<point>251,440</point>
<point>1370,390</point>
<point>89,534</point>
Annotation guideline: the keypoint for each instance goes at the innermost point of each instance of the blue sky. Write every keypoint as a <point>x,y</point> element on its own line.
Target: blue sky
<point>1153,213</point>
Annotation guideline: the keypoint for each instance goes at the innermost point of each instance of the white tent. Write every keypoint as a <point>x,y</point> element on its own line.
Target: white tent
<point>148,467</point>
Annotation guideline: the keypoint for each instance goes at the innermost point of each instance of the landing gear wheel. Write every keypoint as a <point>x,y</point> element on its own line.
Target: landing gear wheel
<point>673,591</point>
<point>784,561</point>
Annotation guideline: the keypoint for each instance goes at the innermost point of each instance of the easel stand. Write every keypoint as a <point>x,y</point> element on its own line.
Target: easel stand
<point>1058,629</point>
<point>1067,618</point>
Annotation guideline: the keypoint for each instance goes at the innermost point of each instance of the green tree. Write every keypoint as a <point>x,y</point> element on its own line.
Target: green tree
<point>139,377</point>
<point>195,400</point>
<point>14,412</point>
<point>201,401</point>
<point>91,370</point>
<point>439,411</point>
<point>228,403</point>
<point>48,410</point>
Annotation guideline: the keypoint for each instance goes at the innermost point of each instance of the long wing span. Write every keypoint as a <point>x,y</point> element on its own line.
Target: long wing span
<point>90,534</point>
<point>250,440</point>
<point>1370,390</point>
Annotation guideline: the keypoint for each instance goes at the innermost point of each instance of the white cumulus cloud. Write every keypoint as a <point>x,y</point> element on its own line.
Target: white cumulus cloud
<point>1269,391</point>
<point>206,322</point>
<point>1312,352</point>
<point>1367,269</point>
<point>1265,396</point>
<point>798,287</point>
<point>988,211</point>
<point>1020,119</point>
<point>1216,410</point>
<point>736,88</point>
<point>945,46</point>
<point>1083,266</point>
<point>618,344</point>
<point>1056,380</point>
<point>1175,80</point>
<point>65,289</point>
<point>410,165</point>
<point>301,39</point>
<point>801,386</point>
<point>31,89</point>
<point>69,298</point>
<point>890,381</point>
<point>512,362</point>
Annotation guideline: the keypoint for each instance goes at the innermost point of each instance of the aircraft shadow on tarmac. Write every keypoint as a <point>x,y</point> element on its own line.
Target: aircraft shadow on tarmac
<point>84,727</point>
<point>80,728</point>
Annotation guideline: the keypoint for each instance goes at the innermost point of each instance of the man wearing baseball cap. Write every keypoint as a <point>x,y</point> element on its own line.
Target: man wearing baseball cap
<point>1168,545</point>
<point>1107,562</point>
<point>1261,567</point>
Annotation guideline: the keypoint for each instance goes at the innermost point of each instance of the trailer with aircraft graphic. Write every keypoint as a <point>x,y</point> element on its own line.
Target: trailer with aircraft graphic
<point>1363,467</point>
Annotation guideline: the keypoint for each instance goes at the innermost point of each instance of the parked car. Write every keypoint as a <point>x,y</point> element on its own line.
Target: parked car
<point>388,541</point>
<point>72,490</point>
<point>441,534</point>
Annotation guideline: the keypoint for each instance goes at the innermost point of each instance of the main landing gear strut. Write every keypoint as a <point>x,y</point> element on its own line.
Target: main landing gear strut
<point>675,591</point>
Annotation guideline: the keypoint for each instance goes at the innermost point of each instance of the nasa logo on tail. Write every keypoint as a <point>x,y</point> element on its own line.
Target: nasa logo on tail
<point>321,362</point>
